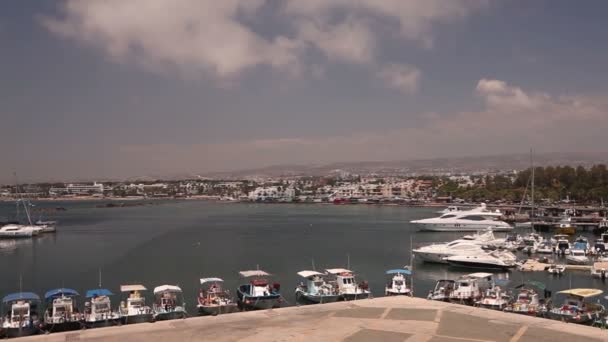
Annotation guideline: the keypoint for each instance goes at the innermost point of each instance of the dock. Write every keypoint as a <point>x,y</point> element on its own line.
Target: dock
<point>383,319</point>
<point>532,265</point>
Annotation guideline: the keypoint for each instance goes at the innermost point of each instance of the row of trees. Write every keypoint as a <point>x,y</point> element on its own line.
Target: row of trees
<point>552,183</point>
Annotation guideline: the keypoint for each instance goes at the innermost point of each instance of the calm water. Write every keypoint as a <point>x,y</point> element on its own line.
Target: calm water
<point>180,242</point>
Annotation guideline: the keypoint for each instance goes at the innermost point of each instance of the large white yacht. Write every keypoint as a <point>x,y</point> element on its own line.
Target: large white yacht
<point>476,219</point>
<point>438,252</point>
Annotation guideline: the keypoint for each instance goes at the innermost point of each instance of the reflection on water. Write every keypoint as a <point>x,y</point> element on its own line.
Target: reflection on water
<point>180,242</point>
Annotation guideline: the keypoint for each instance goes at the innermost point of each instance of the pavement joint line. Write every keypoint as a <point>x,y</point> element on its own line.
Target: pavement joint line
<point>519,333</point>
<point>331,314</point>
<point>385,312</point>
<point>438,315</point>
<point>462,338</point>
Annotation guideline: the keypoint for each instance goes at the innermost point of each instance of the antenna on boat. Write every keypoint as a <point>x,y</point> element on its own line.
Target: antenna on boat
<point>20,282</point>
<point>412,264</point>
<point>100,277</point>
<point>348,261</point>
<point>27,212</point>
<point>532,191</point>
<point>313,264</point>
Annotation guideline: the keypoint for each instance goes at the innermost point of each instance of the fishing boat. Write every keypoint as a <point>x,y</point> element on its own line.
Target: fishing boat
<point>315,289</point>
<point>98,309</point>
<point>21,319</point>
<point>213,299</point>
<point>167,305</point>
<point>397,285</point>
<point>575,309</point>
<point>62,313</point>
<point>135,310</point>
<point>577,257</point>
<point>494,298</point>
<point>528,300</point>
<point>348,288</point>
<point>467,289</point>
<point>562,244</point>
<point>556,269</point>
<point>442,291</point>
<point>258,293</point>
<point>599,270</point>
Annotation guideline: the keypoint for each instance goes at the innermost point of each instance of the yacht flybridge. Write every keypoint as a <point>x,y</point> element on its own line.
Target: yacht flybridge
<point>476,219</point>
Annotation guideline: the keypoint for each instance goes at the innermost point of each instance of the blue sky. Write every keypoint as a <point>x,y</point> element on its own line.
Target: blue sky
<point>117,89</point>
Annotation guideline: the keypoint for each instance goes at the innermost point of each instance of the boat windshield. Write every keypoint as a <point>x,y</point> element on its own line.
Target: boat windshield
<point>102,307</point>
<point>348,281</point>
<point>60,310</point>
<point>23,311</point>
<point>318,283</point>
<point>398,282</point>
<point>447,216</point>
<point>137,302</point>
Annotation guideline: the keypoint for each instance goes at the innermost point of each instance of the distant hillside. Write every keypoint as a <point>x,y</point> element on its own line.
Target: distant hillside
<point>425,166</point>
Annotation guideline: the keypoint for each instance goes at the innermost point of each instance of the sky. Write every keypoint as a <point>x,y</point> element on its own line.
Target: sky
<point>116,89</point>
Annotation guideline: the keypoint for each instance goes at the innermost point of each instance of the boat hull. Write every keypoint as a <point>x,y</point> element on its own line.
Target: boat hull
<point>582,319</point>
<point>214,310</point>
<point>434,227</point>
<point>16,332</point>
<point>396,293</point>
<point>260,303</point>
<point>102,323</point>
<point>355,296</point>
<point>477,265</point>
<point>437,258</point>
<point>166,316</point>
<point>135,319</point>
<point>305,298</point>
<point>64,326</point>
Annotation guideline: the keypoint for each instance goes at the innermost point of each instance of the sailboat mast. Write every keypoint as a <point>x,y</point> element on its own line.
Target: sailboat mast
<point>532,189</point>
<point>27,212</point>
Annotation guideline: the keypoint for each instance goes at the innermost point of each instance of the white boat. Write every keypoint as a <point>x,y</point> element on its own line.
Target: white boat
<point>528,302</point>
<point>545,248</point>
<point>556,269</point>
<point>22,318</point>
<point>494,298</point>
<point>398,285</point>
<point>442,291</point>
<point>468,289</point>
<point>449,209</point>
<point>98,309</point>
<point>258,293</point>
<point>599,270</point>
<point>577,257</point>
<point>135,310</point>
<point>61,313</point>
<point>476,219</point>
<point>348,288</point>
<point>582,243</point>
<point>169,303</point>
<point>562,244</point>
<point>315,289</point>
<point>437,253</point>
<point>15,231</point>
<point>492,260</point>
<point>213,299</point>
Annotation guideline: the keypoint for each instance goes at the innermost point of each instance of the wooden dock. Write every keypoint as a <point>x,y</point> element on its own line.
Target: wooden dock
<point>532,265</point>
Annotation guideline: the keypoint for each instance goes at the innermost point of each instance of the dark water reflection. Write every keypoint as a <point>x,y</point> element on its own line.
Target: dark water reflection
<point>180,242</point>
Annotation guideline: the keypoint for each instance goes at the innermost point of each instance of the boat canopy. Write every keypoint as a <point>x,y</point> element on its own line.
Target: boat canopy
<point>338,270</point>
<point>583,292</point>
<point>211,280</point>
<point>254,273</point>
<point>51,294</point>
<point>480,275</point>
<point>307,274</point>
<point>20,296</point>
<point>167,288</point>
<point>129,288</point>
<point>98,293</point>
<point>399,271</point>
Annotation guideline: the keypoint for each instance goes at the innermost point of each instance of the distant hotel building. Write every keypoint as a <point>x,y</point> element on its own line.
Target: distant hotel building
<point>78,189</point>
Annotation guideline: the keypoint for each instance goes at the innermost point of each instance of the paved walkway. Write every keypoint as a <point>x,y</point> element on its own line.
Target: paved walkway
<point>382,319</point>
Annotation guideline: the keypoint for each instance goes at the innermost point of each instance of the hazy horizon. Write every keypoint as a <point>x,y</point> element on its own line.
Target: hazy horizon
<point>115,89</point>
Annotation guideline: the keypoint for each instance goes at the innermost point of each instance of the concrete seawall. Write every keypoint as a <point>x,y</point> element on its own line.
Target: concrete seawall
<point>384,319</point>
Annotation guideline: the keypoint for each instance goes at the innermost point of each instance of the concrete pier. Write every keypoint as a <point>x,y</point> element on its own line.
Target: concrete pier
<point>384,319</point>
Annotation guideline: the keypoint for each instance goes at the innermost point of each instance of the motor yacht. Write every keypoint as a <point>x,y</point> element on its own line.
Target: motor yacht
<point>493,260</point>
<point>347,285</point>
<point>449,209</point>
<point>213,299</point>
<point>315,289</point>
<point>577,257</point>
<point>437,253</point>
<point>476,219</point>
<point>398,284</point>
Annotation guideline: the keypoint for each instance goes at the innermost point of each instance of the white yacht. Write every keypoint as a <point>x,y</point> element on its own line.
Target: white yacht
<point>501,261</point>
<point>437,253</point>
<point>15,231</point>
<point>577,257</point>
<point>476,219</point>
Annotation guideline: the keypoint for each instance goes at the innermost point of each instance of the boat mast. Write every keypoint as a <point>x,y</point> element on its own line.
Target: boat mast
<point>412,265</point>
<point>27,212</point>
<point>100,277</point>
<point>532,191</point>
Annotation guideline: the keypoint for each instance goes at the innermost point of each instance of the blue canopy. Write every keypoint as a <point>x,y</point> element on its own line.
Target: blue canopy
<point>98,292</point>
<point>20,296</point>
<point>399,270</point>
<point>50,294</point>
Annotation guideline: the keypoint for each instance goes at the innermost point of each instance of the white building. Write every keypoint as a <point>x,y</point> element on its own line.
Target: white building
<point>78,189</point>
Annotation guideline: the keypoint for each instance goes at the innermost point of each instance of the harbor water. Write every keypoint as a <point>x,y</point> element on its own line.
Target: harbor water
<point>178,242</point>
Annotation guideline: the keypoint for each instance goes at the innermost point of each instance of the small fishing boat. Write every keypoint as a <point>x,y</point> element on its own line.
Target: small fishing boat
<point>397,286</point>
<point>213,299</point>
<point>556,269</point>
<point>315,290</point>
<point>575,309</point>
<point>62,313</point>
<point>98,309</point>
<point>347,284</point>
<point>135,310</point>
<point>599,270</point>
<point>22,318</point>
<point>442,291</point>
<point>577,257</point>
<point>528,300</point>
<point>468,289</point>
<point>258,294</point>
<point>494,298</point>
<point>167,305</point>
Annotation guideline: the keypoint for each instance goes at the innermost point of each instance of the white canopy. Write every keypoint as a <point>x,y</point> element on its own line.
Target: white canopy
<point>129,288</point>
<point>338,270</point>
<point>480,275</point>
<point>306,274</point>
<point>167,288</point>
<point>211,280</point>
<point>253,273</point>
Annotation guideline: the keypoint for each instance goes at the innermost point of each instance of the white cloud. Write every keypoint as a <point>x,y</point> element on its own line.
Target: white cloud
<point>213,37</point>
<point>402,77</point>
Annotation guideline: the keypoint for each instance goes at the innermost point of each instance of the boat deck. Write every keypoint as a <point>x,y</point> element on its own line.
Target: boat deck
<point>382,319</point>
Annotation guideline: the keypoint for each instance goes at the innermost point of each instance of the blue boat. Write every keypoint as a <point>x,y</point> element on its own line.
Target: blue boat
<point>22,318</point>
<point>61,313</point>
<point>98,309</point>
<point>258,294</point>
